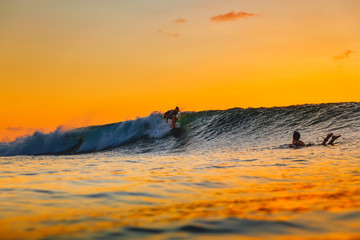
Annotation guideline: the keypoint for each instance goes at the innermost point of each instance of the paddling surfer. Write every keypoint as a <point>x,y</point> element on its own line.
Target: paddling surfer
<point>298,143</point>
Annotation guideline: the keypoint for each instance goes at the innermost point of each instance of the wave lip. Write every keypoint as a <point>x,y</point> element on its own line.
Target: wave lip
<point>87,139</point>
<point>98,138</point>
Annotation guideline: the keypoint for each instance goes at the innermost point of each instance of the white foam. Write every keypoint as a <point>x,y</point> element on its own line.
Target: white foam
<point>93,138</point>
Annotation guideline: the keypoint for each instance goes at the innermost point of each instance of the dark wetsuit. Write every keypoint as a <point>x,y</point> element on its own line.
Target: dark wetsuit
<point>170,114</point>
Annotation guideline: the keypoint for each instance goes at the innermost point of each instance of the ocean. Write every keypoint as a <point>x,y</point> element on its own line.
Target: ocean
<point>229,175</point>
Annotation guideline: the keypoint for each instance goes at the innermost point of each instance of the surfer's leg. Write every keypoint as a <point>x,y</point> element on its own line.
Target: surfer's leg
<point>334,138</point>
<point>173,122</point>
<point>327,138</point>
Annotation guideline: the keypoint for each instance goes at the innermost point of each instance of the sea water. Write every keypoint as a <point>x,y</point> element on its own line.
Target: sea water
<point>230,174</point>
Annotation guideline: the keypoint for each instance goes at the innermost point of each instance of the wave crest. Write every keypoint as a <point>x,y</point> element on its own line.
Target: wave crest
<point>87,139</point>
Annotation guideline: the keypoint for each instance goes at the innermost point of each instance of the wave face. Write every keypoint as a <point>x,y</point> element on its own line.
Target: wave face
<point>87,139</point>
<point>214,130</point>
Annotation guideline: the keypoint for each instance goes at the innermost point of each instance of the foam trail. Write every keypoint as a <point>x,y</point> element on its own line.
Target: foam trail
<point>38,143</point>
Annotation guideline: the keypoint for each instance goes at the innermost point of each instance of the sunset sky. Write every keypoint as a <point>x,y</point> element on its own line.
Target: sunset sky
<point>84,62</point>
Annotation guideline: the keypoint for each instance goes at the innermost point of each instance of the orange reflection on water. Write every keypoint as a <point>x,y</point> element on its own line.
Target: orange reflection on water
<point>82,197</point>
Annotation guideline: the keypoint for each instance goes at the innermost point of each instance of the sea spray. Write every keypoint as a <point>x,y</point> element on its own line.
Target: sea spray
<point>87,139</point>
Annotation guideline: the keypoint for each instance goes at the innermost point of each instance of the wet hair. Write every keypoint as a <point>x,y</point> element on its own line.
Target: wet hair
<point>177,108</point>
<point>296,136</point>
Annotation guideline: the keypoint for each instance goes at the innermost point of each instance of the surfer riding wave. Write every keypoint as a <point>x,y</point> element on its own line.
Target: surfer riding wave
<point>173,115</point>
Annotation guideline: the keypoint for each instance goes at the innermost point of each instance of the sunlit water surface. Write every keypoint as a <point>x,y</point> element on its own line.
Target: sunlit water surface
<point>271,193</point>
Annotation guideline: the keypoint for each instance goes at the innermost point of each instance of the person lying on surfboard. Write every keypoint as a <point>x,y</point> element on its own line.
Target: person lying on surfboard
<point>298,143</point>
<point>172,114</point>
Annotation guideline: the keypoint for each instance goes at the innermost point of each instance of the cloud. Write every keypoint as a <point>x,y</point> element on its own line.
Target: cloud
<point>232,16</point>
<point>173,35</point>
<point>168,33</point>
<point>180,20</point>
<point>14,129</point>
<point>346,54</point>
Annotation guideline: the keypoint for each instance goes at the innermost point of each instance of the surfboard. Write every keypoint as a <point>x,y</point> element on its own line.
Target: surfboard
<point>176,131</point>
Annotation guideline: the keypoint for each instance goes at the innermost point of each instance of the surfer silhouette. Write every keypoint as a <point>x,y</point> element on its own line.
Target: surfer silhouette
<point>172,114</point>
<point>298,143</point>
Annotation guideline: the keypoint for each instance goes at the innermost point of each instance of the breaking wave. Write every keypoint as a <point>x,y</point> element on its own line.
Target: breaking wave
<point>214,129</point>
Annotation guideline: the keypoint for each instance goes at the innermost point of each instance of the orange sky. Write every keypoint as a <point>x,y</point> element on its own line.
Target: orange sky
<point>77,63</point>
